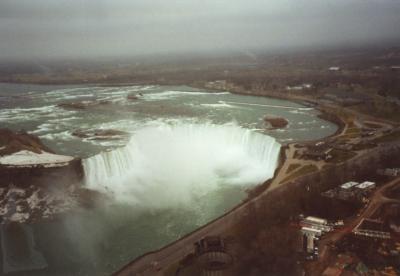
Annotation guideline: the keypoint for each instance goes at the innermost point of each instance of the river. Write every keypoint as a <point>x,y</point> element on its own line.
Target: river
<point>177,158</point>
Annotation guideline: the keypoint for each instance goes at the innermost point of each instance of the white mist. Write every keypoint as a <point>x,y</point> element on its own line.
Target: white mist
<point>168,166</point>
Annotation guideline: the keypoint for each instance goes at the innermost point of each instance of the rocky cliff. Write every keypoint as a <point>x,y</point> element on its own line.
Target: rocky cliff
<point>35,183</point>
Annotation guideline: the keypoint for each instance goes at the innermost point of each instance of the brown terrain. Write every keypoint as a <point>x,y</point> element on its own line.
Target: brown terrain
<point>362,97</point>
<point>11,142</point>
<point>276,122</point>
<point>295,174</point>
<point>41,189</point>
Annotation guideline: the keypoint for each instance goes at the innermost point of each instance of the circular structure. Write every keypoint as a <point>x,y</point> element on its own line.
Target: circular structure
<point>216,260</point>
<point>212,255</point>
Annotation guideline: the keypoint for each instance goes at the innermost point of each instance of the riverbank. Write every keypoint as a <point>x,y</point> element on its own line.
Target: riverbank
<point>277,203</point>
<point>263,199</point>
<point>258,116</point>
<point>36,183</point>
<point>183,246</point>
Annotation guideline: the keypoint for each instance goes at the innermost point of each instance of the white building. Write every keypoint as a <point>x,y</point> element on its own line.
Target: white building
<point>311,231</point>
<point>316,224</point>
<point>311,235</point>
<point>349,185</point>
<point>366,185</point>
<point>315,220</point>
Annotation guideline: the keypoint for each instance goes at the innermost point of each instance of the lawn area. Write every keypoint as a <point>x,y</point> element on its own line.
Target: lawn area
<point>350,133</point>
<point>372,125</point>
<point>339,156</point>
<point>300,172</point>
<point>352,130</point>
<point>394,136</point>
<point>350,136</point>
<point>292,167</point>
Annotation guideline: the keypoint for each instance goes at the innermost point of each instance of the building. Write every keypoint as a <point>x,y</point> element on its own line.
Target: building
<point>209,244</point>
<point>349,185</point>
<point>212,256</point>
<point>393,172</point>
<point>372,229</point>
<point>316,224</point>
<point>346,191</point>
<point>310,236</point>
<point>366,186</point>
<point>346,195</point>
<point>351,191</point>
<point>315,220</point>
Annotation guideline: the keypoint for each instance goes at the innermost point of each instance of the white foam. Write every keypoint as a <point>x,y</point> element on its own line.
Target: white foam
<point>173,94</point>
<point>68,90</point>
<point>66,119</point>
<point>167,166</point>
<point>220,104</point>
<point>265,105</point>
<point>71,97</point>
<point>33,113</point>
<point>63,135</point>
<point>296,111</point>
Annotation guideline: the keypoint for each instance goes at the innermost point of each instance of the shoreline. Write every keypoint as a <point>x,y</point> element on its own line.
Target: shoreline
<point>300,185</point>
<point>255,192</point>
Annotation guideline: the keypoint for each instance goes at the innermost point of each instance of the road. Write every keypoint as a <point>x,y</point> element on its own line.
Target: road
<point>156,263</point>
<point>375,203</point>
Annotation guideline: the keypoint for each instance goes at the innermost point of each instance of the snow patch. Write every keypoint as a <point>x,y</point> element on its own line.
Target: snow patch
<point>28,158</point>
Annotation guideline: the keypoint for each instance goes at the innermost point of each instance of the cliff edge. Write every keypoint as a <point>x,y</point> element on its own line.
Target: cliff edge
<point>35,182</point>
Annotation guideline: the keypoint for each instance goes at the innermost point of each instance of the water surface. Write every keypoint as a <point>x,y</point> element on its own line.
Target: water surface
<point>172,129</point>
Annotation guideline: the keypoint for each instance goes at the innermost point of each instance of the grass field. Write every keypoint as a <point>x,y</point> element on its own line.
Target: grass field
<point>300,172</point>
<point>394,136</point>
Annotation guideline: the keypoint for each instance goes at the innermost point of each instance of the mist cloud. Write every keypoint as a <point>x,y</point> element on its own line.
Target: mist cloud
<point>87,28</point>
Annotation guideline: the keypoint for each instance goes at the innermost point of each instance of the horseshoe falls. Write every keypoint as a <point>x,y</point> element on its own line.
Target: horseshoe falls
<point>173,165</point>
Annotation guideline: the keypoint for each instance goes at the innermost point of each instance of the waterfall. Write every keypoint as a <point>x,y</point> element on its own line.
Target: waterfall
<point>168,165</point>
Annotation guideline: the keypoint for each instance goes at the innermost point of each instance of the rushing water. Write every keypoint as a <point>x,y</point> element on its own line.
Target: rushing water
<point>187,157</point>
<point>184,161</point>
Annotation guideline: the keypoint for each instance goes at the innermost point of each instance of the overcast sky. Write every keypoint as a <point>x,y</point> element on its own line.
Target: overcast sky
<point>91,28</point>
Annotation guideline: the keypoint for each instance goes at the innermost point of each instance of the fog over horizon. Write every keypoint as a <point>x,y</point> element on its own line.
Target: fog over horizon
<point>48,29</point>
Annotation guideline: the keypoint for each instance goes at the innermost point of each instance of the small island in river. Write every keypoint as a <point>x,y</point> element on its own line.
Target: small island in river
<point>276,122</point>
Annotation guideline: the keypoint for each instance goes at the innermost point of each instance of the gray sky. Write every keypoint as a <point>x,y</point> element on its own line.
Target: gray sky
<point>91,28</point>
